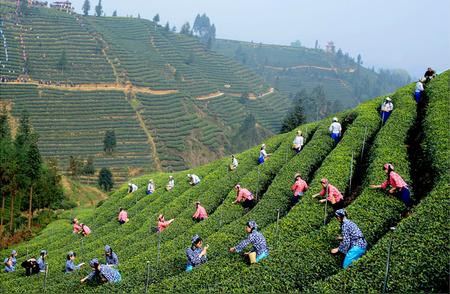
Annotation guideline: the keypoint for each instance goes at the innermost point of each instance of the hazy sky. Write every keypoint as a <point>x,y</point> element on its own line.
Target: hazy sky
<point>409,34</point>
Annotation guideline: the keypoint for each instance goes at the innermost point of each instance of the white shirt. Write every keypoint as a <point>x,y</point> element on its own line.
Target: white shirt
<point>133,188</point>
<point>419,87</point>
<point>235,162</point>
<point>195,179</point>
<point>171,183</point>
<point>298,140</point>
<point>150,187</point>
<point>263,153</point>
<point>387,106</point>
<point>335,128</point>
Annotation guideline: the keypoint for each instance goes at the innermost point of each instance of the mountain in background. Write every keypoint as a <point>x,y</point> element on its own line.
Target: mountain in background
<point>343,81</point>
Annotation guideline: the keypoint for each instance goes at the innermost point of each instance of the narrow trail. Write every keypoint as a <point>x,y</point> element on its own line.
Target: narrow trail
<point>334,69</point>
<point>150,140</point>
<point>95,87</point>
<point>421,170</point>
<point>251,96</point>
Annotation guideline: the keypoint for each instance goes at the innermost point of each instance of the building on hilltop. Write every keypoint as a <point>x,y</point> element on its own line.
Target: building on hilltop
<point>330,48</point>
<point>63,5</point>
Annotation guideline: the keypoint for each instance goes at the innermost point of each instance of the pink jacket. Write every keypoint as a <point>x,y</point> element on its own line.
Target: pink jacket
<point>86,230</point>
<point>200,213</point>
<point>76,228</point>
<point>162,225</point>
<point>395,181</point>
<point>243,195</point>
<point>334,196</point>
<point>123,216</point>
<point>299,186</point>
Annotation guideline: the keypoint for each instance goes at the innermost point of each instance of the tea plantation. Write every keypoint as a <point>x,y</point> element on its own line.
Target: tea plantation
<point>81,76</point>
<point>299,237</point>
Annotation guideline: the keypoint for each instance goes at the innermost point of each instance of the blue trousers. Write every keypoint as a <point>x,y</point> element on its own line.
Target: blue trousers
<point>335,137</point>
<point>352,255</point>
<point>385,115</point>
<point>405,196</point>
<point>262,256</point>
<point>261,160</point>
<point>417,95</point>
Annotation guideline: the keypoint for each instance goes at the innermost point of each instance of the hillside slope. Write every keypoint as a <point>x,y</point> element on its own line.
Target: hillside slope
<point>292,69</point>
<point>172,103</point>
<point>298,236</point>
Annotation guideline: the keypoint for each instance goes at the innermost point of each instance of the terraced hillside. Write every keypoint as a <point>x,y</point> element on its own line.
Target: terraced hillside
<point>299,236</point>
<point>291,69</point>
<point>92,74</point>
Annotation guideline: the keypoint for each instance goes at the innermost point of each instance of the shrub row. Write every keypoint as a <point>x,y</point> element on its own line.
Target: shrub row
<point>140,240</point>
<point>419,255</point>
<point>257,181</point>
<point>288,266</point>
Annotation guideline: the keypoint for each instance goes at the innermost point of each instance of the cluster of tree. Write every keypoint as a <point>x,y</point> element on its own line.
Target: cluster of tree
<point>26,183</point>
<point>98,8</point>
<point>309,106</point>
<point>204,30</point>
<point>109,142</point>
<point>79,167</point>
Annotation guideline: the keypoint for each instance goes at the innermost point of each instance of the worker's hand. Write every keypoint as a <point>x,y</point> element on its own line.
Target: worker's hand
<point>232,250</point>
<point>81,264</point>
<point>207,246</point>
<point>334,250</point>
<point>392,191</point>
<point>322,200</point>
<point>82,280</point>
<point>373,186</point>
<point>339,238</point>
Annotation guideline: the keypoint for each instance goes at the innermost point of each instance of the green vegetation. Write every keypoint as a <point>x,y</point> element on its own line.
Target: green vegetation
<point>419,256</point>
<point>294,68</point>
<point>26,184</point>
<point>300,241</point>
<point>86,75</point>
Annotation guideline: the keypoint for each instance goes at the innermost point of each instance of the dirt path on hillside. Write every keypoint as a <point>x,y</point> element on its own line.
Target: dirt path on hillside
<point>251,96</point>
<point>210,95</point>
<point>334,69</point>
<point>97,87</point>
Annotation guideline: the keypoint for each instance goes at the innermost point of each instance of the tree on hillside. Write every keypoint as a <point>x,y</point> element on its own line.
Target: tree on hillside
<point>89,168</point>
<point>204,30</point>
<point>114,13</point>
<point>186,29</point>
<point>25,171</point>
<point>105,179</point>
<point>316,44</point>
<point>109,141</point>
<point>34,171</point>
<point>296,115</point>
<point>62,61</point>
<point>156,18</point>
<point>167,27</point>
<point>99,8</point>
<point>359,60</point>
<point>75,166</point>
<point>86,7</point>
<point>174,29</point>
<point>6,164</point>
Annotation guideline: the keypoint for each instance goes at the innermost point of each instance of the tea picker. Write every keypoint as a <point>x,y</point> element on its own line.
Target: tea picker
<point>353,243</point>
<point>196,254</point>
<point>260,250</point>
